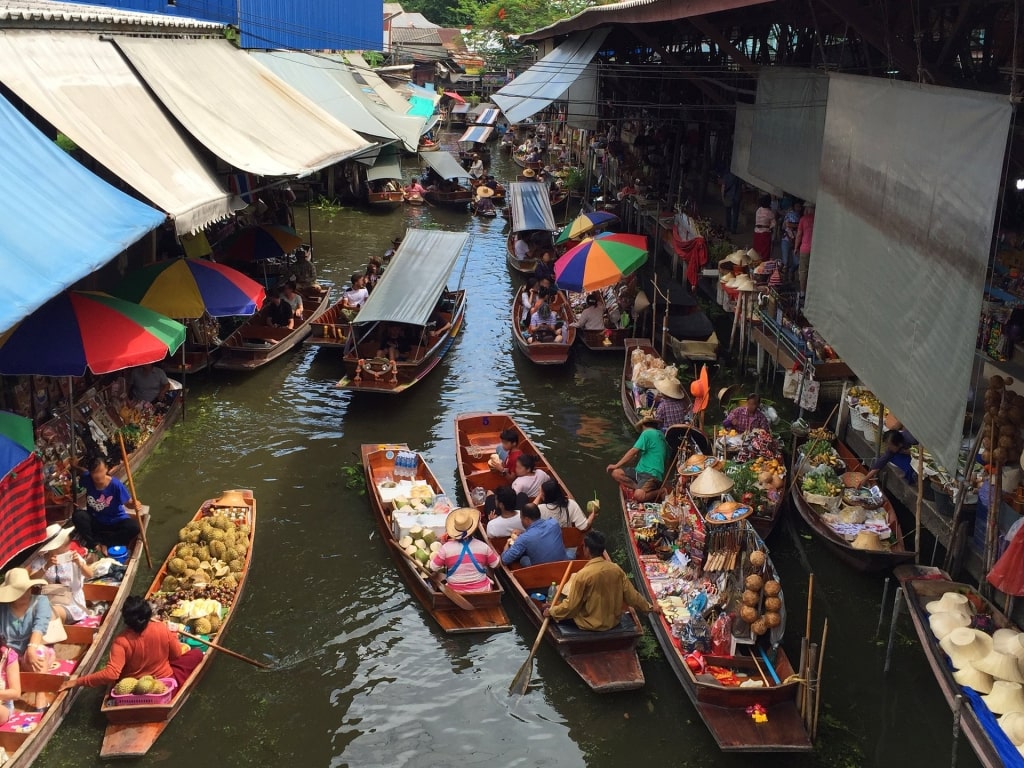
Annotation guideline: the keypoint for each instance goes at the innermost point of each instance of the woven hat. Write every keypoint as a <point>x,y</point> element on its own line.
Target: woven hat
<point>739,258</point>
<point>483,191</point>
<point>1002,666</point>
<point>753,255</point>
<point>1005,698</point>
<point>701,390</point>
<point>744,283</point>
<point>950,601</point>
<point>230,499</point>
<point>650,420</point>
<point>1009,641</point>
<point>869,541</point>
<point>16,583</point>
<point>461,522</point>
<point>1012,724</point>
<point>641,302</point>
<point>669,386</point>
<point>970,677</point>
<point>725,394</point>
<point>58,537</point>
<point>944,623</point>
<point>964,645</point>
<point>710,483</point>
<point>529,173</point>
<point>727,279</point>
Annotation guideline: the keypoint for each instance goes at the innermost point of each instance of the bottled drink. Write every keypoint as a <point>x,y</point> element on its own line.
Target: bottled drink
<point>552,590</point>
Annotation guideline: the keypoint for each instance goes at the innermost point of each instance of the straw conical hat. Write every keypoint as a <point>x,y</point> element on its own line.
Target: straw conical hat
<point>964,645</point>
<point>744,283</point>
<point>483,191</point>
<point>1008,641</point>
<point>753,255</point>
<point>868,540</point>
<point>1002,666</point>
<point>1005,698</point>
<point>1012,724</point>
<point>710,483</point>
<point>970,677</point>
<point>950,601</point>
<point>230,499</point>
<point>944,623</point>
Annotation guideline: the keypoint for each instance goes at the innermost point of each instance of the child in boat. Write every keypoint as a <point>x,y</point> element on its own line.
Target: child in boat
<point>507,452</point>
<point>10,680</point>
<point>66,571</point>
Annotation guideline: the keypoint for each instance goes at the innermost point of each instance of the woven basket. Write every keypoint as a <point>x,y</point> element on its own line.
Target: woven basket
<point>831,503</point>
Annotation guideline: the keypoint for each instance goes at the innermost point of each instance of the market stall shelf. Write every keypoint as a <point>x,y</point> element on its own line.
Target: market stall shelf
<point>544,352</point>
<point>132,729</point>
<point>389,474</point>
<point>254,343</point>
<point>144,450</point>
<point>28,730</point>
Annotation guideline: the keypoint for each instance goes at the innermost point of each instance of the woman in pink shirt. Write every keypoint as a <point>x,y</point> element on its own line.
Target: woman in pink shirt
<point>802,245</point>
<point>764,225</point>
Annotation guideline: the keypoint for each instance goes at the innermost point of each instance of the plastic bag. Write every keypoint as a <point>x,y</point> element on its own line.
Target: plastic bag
<point>696,636</point>
<point>809,395</point>
<point>721,633</point>
<point>791,385</point>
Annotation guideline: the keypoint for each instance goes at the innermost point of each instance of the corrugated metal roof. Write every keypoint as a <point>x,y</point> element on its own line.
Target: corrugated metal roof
<point>403,35</point>
<point>46,13</point>
<point>636,12</point>
<point>413,20</point>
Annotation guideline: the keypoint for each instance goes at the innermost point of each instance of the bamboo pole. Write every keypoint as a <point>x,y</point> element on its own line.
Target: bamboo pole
<point>811,686</point>
<point>881,610</point>
<point>805,648</point>
<point>919,505</point>
<point>896,605</point>
<point>817,696</point>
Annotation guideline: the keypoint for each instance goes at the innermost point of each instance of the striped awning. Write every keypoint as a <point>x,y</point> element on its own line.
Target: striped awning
<point>530,207</point>
<point>478,133</point>
<point>487,117</point>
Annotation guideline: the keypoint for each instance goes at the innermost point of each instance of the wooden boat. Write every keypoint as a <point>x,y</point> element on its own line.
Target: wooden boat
<point>201,348</point>
<point>499,191</point>
<point>458,200</point>
<point>522,267</point>
<point>80,654</point>
<point>544,353</point>
<point>254,344</point>
<point>417,276</point>
<point>607,340</point>
<point>137,457</point>
<point>724,708</point>
<point>520,160</point>
<point>864,560</point>
<point>487,614</point>
<point>559,201</point>
<point>426,145</point>
<point>920,587</point>
<point>529,211</point>
<point>388,200</point>
<point>133,728</point>
<point>488,214</point>
<point>413,198</point>
<point>331,329</point>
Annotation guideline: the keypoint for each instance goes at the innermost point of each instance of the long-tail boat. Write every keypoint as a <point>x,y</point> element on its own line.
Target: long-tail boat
<point>544,352</point>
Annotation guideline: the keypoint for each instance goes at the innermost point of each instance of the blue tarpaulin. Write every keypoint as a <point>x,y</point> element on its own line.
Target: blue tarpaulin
<point>421,107</point>
<point>59,222</point>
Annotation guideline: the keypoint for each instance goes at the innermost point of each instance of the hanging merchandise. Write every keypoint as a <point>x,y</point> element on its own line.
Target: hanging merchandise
<point>791,384</point>
<point>809,393</point>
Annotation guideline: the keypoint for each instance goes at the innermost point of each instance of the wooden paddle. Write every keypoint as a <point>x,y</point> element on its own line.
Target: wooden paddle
<point>521,682</point>
<point>135,499</point>
<point>435,579</point>
<point>222,649</point>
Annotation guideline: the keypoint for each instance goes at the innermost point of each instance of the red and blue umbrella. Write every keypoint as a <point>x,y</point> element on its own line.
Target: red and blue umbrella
<point>189,287</point>
<point>263,241</point>
<point>600,261</point>
<point>81,329</point>
<point>584,223</point>
<point>17,440</point>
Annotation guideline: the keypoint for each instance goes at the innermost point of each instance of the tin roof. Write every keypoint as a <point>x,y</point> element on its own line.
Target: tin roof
<point>45,14</point>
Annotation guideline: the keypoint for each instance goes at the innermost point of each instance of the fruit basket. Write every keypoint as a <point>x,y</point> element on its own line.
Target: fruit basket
<point>127,699</point>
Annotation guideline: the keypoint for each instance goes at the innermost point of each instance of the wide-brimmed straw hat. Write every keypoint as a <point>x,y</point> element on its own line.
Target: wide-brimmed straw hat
<point>739,258</point>
<point>944,623</point>
<point>1009,641</point>
<point>1002,666</point>
<point>727,279</point>
<point>461,522</point>
<point>1012,724</point>
<point>483,191</point>
<point>964,645</point>
<point>950,601</point>
<point>57,536</point>
<point>753,255</point>
<point>701,390</point>
<point>971,677</point>
<point>230,499</point>
<point>1005,698</point>
<point>743,283</point>
<point>529,173</point>
<point>650,420</point>
<point>16,583</point>
<point>710,483</point>
<point>868,541</point>
<point>669,386</point>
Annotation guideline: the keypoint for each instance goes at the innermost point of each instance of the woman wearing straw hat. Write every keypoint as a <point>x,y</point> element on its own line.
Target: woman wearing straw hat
<point>484,205</point>
<point>464,559</point>
<point>650,452</point>
<point>24,619</point>
<point>65,571</point>
<point>671,406</point>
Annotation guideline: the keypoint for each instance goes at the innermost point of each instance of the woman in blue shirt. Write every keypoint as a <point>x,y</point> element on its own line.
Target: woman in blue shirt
<point>105,522</point>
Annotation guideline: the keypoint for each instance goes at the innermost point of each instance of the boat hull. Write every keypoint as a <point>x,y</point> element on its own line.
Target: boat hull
<point>546,353</point>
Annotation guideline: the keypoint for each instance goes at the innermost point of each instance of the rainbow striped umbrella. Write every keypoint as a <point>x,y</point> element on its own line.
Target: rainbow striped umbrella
<point>600,261</point>
<point>261,241</point>
<point>584,223</point>
<point>189,287</point>
<point>17,440</point>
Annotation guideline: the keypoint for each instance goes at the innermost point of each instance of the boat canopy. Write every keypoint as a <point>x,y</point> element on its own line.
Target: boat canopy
<point>447,167</point>
<point>487,117</point>
<point>530,204</point>
<point>461,109</point>
<point>418,273</point>
<point>387,166</point>
<point>478,133</point>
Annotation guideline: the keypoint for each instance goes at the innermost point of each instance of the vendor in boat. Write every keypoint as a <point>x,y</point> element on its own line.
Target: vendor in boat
<point>553,503</point>
<point>593,317</point>
<point>291,297</point>
<point>545,268</point>
<point>304,273</point>
<point>505,519</point>
<point>540,542</point>
<point>747,417</point>
<point>146,647</point>
<point>395,345</point>
<point>104,520</point>
<point>529,480</point>
<point>897,453</point>
<point>598,592</point>
<point>671,405</point>
<point>484,205</point>
<point>66,571</point>
<point>415,189</point>
<point>476,168</point>
<point>277,313</point>
<point>650,452</point>
<point>149,383</point>
<point>463,558</point>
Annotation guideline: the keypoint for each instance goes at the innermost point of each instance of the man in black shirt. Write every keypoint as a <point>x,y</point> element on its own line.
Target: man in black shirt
<point>277,313</point>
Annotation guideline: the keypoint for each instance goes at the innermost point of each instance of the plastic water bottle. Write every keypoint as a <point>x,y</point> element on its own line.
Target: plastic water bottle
<point>551,593</point>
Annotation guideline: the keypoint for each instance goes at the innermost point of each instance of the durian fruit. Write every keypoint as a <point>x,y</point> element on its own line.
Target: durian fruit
<point>244,529</point>
<point>185,550</point>
<point>158,688</point>
<point>169,584</point>
<point>217,550</point>
<point>201,577</point>
<point>183,534</point>
<point>188,575</point>
<point>176,566</point>
<point>236,566</point>
<point>192,562</point>
<point>214,620</point>
<point>217,535</point>
<point>229,581</point>
<point>230,553</point>
<point>195,525</point>
<point>144,686</point>
<point>230,537</point>
<point>242,545</point>
<point>125,686</point>
<point>202,627</point>
<point>221,522</point>
<point>203,552</point>
<point>193,537</point>
<point>206,532</point>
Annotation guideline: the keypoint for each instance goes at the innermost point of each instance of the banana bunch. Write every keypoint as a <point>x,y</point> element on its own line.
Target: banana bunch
<point>821,434</point>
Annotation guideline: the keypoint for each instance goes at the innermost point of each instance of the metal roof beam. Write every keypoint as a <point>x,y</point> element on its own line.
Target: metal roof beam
<point>723,42</point>
<point>671,58</point>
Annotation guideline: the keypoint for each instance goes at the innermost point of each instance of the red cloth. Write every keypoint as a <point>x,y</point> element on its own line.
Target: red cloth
<point>182,666</point>
<point>1007,575</point>
<point>22,508</point>
<point>694,253</point>
<point>135,654</point>
<point>763,244</point>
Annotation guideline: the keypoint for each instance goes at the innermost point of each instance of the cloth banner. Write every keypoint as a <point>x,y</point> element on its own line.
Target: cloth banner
<point>742,135</point>
<point>22,508</point>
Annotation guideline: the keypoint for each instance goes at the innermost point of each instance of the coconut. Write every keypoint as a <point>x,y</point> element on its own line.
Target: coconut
<point>757,558</point>
<point>429,537</point>
<point>420,543</point>
<point>410,550</point>
<point>759,627</point>
<point>750,598</point>
<point>996,382</point>
<point>748,614</point>
<point>772,588</point>
<point>772,619</point>
<point>754,582</point>
<point>772,604</point>
<point>405,541</point>
<point>422,555</point>
<point>416,532</point>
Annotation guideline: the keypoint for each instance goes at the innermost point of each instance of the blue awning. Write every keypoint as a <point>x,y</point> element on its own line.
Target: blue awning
<point>487,117</point>
<point>530,206</point>
<point>59,222</point>
<point>478,133</point>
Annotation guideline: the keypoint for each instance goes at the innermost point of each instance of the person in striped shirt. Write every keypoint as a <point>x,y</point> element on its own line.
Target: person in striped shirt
<point>464,559</point>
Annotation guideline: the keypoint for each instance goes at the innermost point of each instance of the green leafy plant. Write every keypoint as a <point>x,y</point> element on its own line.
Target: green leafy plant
<point>353,474</point>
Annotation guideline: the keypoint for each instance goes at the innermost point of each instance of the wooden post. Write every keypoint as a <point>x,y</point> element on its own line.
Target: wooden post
<point>811,686</point>
<point>950,553</point>
<point>881,610</point>
<point>896,604</point>
<point>918,506</point>
<point>957,704</point>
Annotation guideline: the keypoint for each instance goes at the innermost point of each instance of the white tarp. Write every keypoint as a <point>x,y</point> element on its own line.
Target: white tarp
<point>396,101</point>
<point>83,86</point>
<point>741,136</point>
<point>789,119</point>
<point>238,109</point>
<point>582,100</point>
<point>550,78</point>
<point>445,164</point>
<point>387,166</point>
<point>908,193</point>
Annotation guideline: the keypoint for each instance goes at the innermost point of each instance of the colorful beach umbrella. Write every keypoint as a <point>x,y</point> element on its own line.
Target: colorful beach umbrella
<point>17,440</point>
<point>81,329</point>
<point>600,261</point>
<point>584,223</point>
<point>263,241</point>
<point>188,287</point>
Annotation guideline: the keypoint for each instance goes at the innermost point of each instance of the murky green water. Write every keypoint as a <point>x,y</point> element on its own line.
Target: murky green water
<point>362,678</point>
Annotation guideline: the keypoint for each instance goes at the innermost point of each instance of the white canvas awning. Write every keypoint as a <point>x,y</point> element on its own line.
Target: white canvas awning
<point>447,167</point>
<point>394,100</point>
<point>530,206</point>
<point>551,77</point>
<point>386,167</point>
<point>238,109</point>
<point>83,86</point>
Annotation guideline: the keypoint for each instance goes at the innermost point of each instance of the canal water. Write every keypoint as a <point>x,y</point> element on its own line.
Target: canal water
<point>361,677</point>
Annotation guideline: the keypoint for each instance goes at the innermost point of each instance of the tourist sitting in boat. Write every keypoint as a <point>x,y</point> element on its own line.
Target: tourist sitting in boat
<point>476,168</point>
<point>593,317</point>
<point>277,313</point>
<point>505,519</point>
<point>395,242</point>
<point>747,417</point>
<point>464,559</point>
<point>65,572</point>
<point>24,618</point>
<point>527,298</point>
<point>671,407</point>
<point>540,541</point>
<point>304,273</point>
<point>146,647</point>
<point>650,452</point>
<point>491,183</point>
<point>484,205</point>
<point>415,188</point>
<point>372,275</point>
<point>355,296</point>
<point>149,383</point>
<point>292,298</point>
<point>104,521</point>
<point>544,326</point>
<point>599,590</point>
<point>508,452</point>
<point>395,346</point>
<point>553,503</point>
<point>529,480</point>
<point>522,247</point>
<point>545,266</point>
<point>897,453</point>
<point>438,325</point>
<point>10,680</point>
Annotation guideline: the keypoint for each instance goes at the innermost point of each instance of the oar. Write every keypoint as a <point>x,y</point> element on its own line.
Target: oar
<point>222,649</point>
<point>135,499</point>
<point>435,579</point>
<point>521,682</point>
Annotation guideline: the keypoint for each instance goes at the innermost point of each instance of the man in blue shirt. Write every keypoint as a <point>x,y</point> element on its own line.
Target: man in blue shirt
<point>541,542</point>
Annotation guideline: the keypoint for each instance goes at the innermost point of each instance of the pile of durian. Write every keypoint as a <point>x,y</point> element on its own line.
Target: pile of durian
<point>209,551</point>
